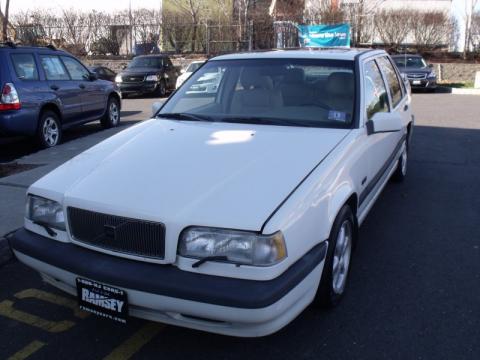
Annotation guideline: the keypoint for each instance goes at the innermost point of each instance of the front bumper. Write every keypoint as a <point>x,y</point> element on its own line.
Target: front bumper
<point>423,83</point>
<point>138,88</point>
<point>164,293</point>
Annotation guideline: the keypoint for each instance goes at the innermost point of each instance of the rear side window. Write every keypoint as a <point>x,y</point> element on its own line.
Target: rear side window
<point>25,67</point>
<point>53,67</point>
<point>77,71</point>
<point>376,98</point>
<point>392,79</point>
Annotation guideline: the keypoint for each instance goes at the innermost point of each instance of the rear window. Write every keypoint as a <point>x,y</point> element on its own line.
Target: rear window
<point>25,67</point>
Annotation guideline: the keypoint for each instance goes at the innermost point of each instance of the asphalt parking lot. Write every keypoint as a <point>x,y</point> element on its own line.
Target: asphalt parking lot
<point>414,290</point>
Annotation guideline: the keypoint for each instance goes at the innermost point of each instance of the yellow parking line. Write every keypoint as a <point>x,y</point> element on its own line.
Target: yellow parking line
<point>53,299</point>
<point>7,310</point>
<point>134,343</point>
<point>27,350</point>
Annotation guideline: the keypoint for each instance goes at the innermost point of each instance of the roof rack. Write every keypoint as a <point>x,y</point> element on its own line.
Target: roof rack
<point>10,44</point>
<point>51,47</point>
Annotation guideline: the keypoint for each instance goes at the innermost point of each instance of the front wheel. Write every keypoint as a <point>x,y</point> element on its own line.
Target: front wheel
<point>337,263</point>
<point>112,115</point>
<point>162,88</point>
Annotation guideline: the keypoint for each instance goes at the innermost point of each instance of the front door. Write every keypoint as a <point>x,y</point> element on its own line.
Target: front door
<point>94,101</point>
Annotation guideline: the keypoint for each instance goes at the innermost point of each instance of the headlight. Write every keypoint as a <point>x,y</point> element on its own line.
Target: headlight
<point>238,247</point>
<point>47,212</point>
<point>118,79</point>
<point>179,82</point>
<point>432,74</point>
<point>151,78</point>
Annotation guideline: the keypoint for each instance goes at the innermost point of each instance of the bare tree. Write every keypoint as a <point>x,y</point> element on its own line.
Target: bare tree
<point>360,15</point>
<point>393,26</point>
<point>324,12</point>
<point>431,29</point>
<point>194,9</point>
<point>468,15</point>
<point>5,20</point>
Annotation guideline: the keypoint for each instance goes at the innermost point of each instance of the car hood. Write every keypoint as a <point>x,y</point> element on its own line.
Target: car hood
<point>191,173</point>
<point>416,70</point>
<point>140,71</point>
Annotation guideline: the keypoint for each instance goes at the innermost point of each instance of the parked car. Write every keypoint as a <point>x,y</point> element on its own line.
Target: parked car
<point>242,207</point>
<point>45,91</point>
<point>103,72</point>
<point>146,75</point>
<point>185,73</point>
<point>417,71</point>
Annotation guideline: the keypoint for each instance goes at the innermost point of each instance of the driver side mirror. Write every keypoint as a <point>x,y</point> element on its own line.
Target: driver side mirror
<point>92,77</point>
<point>430,65</point>
<point>382,122</point>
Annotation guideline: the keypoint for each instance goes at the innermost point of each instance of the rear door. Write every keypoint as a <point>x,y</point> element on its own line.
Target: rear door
<point>68,91</point>
<point>93,96</point>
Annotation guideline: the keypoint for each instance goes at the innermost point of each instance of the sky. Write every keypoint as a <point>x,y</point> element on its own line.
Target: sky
<point>86,5</point>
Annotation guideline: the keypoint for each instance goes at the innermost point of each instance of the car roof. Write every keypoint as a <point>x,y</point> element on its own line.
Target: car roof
<point>303,53</point>
<point>43,49</point>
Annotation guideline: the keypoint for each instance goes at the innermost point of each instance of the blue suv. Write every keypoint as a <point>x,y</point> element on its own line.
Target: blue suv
<point>45,91</point>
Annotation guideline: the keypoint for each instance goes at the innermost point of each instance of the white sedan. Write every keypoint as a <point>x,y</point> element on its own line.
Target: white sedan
<point>232,211</point>
<point>191,68</point>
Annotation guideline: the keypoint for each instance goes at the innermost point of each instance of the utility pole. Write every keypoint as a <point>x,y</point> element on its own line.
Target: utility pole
<point>5,21</point>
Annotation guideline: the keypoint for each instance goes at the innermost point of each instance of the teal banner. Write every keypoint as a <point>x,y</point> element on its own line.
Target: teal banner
<point>324,35</point>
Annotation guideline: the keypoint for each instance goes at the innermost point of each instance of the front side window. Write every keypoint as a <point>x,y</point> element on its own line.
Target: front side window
<point>392,80</point>
<point>53,67</point>
<point>376,97</point>
<point>76,70</point>
<point>25,67</point>
<point>288,92</point>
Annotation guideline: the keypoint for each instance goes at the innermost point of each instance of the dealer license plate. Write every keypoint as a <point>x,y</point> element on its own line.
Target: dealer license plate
<point>416,82</point>
<point>102,300</point>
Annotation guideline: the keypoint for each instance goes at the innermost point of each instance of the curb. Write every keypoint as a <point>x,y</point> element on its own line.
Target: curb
<point>5,252</point>
<point>465,91</point>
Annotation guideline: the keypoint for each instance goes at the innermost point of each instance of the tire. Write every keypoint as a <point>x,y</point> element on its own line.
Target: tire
<point>401,171</point>
<point>337,263</point>
<point>49,132</point>
<point>162,89</point>
<point>112,115</point>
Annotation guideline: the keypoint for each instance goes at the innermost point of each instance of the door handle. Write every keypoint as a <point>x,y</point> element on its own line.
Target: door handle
<point>405,108</point>
<point>54,87</point>
<point>81,86</point>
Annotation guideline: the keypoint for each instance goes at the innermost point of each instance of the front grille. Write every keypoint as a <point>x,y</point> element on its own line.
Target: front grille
<point>132,78</point>
<point>416,76</point>
<point>116,233</point>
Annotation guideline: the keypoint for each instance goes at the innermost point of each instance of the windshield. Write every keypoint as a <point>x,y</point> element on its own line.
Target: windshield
<point>193,67</point>
<point>290,92</point>
<point>146,62</point>
<point>410,61</point>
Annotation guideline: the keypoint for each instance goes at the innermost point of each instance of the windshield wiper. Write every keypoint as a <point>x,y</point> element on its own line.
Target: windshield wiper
<point>185,116</point>
<point>266,121</point>
<point>209,258</point>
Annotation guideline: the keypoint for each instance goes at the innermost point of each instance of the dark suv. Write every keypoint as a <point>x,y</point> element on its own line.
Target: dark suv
<point>45,91</point>
<point>148,74</point>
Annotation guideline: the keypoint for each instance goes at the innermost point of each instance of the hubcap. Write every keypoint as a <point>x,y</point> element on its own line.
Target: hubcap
<point>341,257</point>
<point>50,131</point>
<point>404,162</point>
<point>114,114</point>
